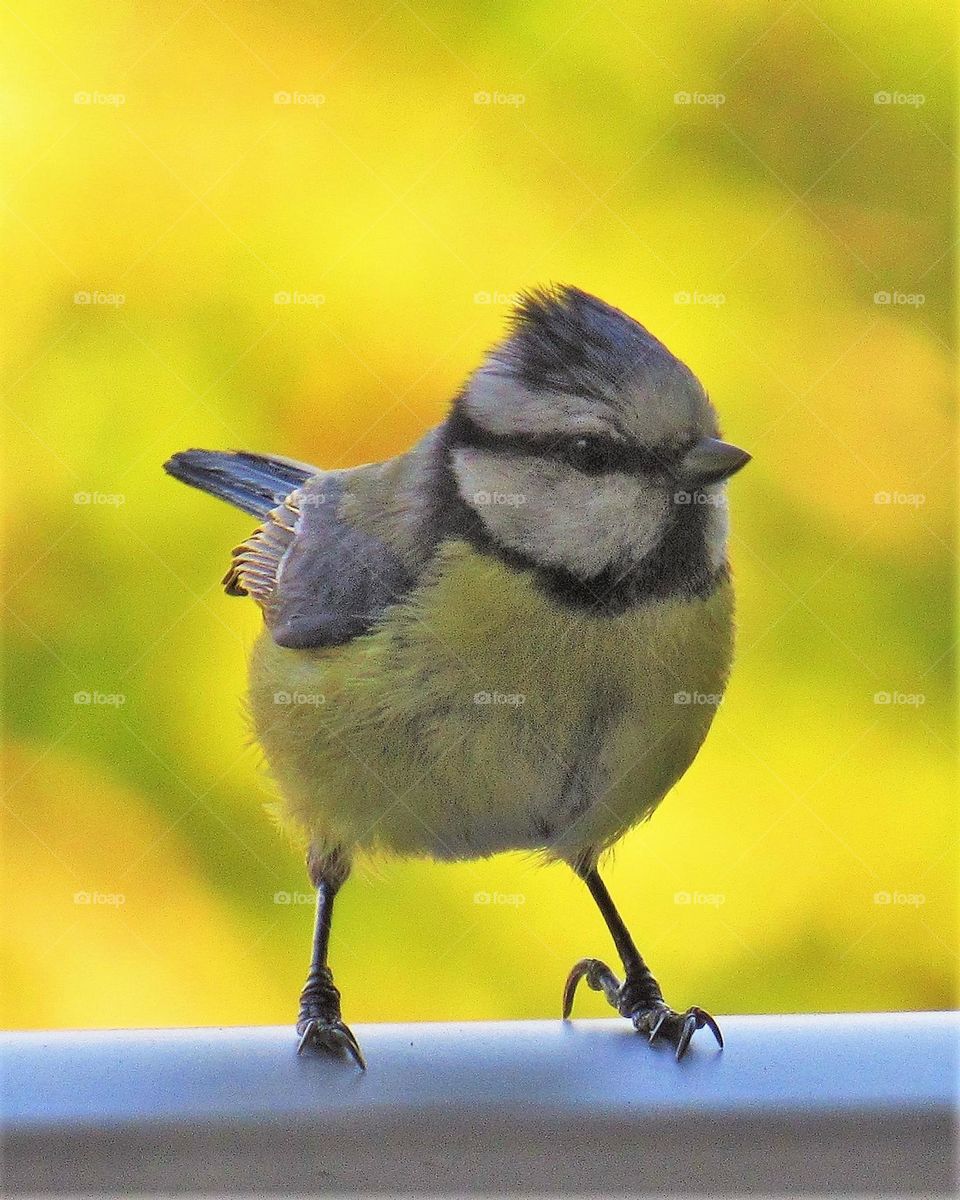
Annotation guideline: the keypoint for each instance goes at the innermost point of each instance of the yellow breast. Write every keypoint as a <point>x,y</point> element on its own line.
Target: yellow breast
<point>481,716</point>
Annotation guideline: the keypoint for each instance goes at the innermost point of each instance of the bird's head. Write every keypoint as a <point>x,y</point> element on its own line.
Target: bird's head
<point>582,445</point>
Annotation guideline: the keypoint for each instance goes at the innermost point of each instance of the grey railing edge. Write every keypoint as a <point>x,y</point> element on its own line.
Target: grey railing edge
<point>867,1101</point>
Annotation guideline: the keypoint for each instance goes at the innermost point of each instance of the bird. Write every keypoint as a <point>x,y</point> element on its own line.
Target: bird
<point>514,636</point>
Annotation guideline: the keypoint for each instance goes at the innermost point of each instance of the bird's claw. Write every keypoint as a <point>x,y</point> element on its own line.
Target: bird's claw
<point>599,978</point>
<point>676,1028</point>
<point>655,1018</point>
<point>331,1035</point>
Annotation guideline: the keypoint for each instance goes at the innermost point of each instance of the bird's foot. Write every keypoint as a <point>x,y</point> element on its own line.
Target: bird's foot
<point>661,1021</point>
<point>319,1024</point>
<point>635,1000</point>
<point>329,1034</point>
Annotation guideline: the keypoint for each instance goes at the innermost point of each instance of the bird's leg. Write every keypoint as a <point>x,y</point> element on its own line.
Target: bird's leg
<point>639,997</point>
<point>319,1023</point>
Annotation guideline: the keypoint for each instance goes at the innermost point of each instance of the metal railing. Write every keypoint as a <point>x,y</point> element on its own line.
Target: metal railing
<point>826,1104</point>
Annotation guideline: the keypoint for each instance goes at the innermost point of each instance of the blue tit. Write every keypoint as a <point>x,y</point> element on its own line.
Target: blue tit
<point>514,636</point>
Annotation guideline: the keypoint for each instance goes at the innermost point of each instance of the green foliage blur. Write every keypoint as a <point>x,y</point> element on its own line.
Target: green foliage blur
<point>295,228</point>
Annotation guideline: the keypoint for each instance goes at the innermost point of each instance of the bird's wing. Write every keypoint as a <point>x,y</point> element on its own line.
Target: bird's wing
<point>320,579</point>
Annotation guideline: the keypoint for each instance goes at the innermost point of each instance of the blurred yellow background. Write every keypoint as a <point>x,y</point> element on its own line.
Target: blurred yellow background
<point>295,228</point>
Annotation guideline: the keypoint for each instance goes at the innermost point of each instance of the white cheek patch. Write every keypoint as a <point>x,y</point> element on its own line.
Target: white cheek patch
<point>559,516</point>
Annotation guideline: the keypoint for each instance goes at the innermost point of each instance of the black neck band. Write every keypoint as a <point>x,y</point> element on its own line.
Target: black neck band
<point>678,566</point>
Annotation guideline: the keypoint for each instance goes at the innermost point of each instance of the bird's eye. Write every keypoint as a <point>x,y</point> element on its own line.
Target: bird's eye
<point>591,455</point>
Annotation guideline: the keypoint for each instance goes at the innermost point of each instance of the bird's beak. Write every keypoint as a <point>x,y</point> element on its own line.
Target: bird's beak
<point>710,461</point>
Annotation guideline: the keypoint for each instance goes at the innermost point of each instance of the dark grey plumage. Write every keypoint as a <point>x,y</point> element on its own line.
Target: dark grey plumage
<point>565,340</point>
<point>337,548</point>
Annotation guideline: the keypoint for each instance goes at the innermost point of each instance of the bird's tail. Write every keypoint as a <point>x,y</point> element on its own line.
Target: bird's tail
<point>255,483</point>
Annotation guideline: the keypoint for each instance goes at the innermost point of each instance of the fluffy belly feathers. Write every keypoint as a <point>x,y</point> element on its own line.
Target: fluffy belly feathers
<point>481,717</point>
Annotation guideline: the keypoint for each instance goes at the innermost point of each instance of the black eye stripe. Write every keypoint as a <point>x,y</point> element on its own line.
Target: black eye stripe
<point>594,454</point>
<point>598,456</point>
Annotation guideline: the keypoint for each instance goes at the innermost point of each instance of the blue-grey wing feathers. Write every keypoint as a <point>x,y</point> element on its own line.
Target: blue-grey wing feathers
<point>334,580</point>
<point>253,482</point>
<point>319,578</point>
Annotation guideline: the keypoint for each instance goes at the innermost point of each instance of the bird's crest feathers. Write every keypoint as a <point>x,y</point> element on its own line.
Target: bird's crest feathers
<point>562,339</point>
